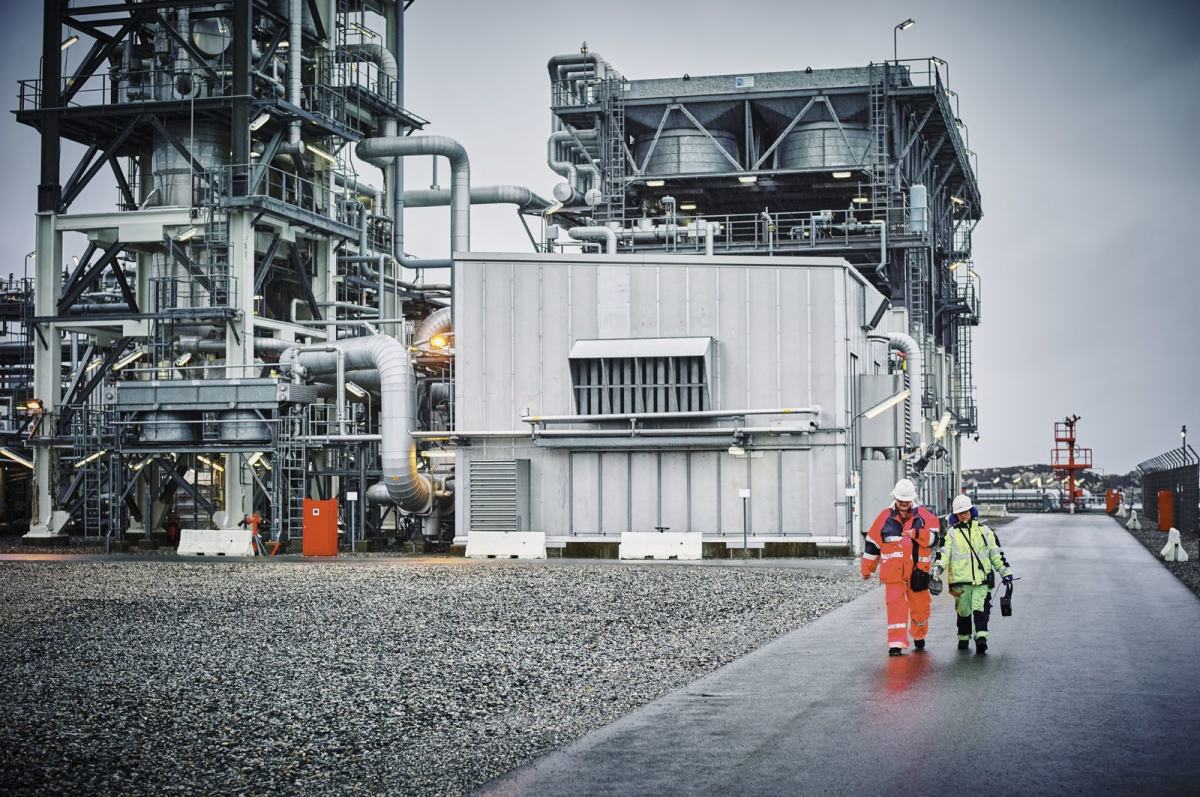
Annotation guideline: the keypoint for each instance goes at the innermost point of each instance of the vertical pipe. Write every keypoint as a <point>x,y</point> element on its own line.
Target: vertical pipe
<point>295,20</point>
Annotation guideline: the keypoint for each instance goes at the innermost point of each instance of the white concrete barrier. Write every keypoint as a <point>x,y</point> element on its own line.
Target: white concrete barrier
<point>1122,511</point>
<point>506,545</point>
<point>993,510</point>
<point>215,542</point>
<point>661,545</point>
<point>1173,550</point>
<point>1134,524</point>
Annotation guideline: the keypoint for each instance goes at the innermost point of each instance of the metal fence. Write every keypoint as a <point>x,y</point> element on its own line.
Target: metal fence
<point>1177,471</point>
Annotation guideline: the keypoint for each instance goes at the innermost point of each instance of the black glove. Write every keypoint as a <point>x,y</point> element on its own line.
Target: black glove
<point>1008,579</point>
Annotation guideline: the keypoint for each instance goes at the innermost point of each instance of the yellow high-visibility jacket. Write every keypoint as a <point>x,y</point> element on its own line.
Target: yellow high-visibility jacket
<point>963,567</point>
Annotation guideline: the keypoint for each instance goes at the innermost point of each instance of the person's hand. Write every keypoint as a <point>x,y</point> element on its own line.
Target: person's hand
<point>1008,579</point>
<point>908,534</point>
<point>938,570</point>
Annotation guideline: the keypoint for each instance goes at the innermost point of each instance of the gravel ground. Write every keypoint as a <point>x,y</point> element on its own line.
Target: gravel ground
<point>1188,572</point>
<point>354,677</point>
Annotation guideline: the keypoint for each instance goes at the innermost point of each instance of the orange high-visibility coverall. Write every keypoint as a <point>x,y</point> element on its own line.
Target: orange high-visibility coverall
<point>888,546</point>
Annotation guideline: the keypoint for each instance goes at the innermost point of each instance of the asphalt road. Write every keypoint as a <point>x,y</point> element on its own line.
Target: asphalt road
<point>1093,683</point>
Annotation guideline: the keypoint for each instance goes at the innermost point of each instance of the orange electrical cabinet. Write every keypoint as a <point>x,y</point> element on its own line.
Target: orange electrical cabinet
<point>1112,501</point>
<point>320,527</point>
<point>1166,509</point>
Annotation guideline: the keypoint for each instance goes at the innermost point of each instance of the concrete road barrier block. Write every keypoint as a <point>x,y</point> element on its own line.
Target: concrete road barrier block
<point>506,545</point>
<point>1134,524</point>
<point>215,542</point>
<point>1173,550</point>
<point>661,545</point>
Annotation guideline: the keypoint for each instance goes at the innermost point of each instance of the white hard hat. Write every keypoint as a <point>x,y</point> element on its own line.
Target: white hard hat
<point>962,503</point>
<point>905,490</point>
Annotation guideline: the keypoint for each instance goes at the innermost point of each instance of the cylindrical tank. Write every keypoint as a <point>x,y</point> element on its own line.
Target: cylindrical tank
<point>918,209</point>
<point>242,426</point>
<point>686,150</point>
<point>819,145</point>
<point>168,427</point>
<point>172,173</point>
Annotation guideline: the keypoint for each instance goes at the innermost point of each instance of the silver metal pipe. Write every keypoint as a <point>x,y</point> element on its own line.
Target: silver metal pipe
<point>916,383</point>
<point>348,182</point>
<point>439,322</point>
<point>377,150</point>
<point>518,195</point>
<point>671,416</point>
<point>587,234</point>
<point>408,488</point>
<point>295,42</point>
<point>618,433</point>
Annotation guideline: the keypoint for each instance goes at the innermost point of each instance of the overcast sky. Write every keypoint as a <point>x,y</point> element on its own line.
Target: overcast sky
<point>1084,114</point>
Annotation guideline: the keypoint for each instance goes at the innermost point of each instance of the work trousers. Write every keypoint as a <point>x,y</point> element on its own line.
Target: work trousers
<point>906,611</point>
<point>974,607</point>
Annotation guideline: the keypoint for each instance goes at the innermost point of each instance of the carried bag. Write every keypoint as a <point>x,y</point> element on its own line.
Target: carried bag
<point>919,580</point>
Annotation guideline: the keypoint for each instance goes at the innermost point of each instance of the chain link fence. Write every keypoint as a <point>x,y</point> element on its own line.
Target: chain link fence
<point>1178,472</point>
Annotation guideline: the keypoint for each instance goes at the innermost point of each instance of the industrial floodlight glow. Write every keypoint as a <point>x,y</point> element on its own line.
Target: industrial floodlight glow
<point>34,406</point>
<point>747,179</point>
<point>878,221</point>
<point>183,359</point>
<point>886,404</point>
<point>129,359</point>
<point>939,430</point>
<point>438,453</point>
<point>906,24</point>
<point>954,266</point>
<point>260,120</point>
<point>153,193</point>
<point>441,341</point>
<point>737,451</point>
<point>655,183</point>
<point>364,30</point>
<point>144,462</point>
<point>957,200</point>
<point>17,458</point>
<point>841,175</point>
<point>210,463</point>
<point>320,153</point>
<point>67,42</point>
<point>91,458</point>
<point>860,200</point>
<point>187,234</point>
<point>687,205</point>
<point>355,390</point>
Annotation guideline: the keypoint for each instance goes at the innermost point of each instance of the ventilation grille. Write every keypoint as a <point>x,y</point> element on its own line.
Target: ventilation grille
<point>613,385</point>
<point>499,492</point>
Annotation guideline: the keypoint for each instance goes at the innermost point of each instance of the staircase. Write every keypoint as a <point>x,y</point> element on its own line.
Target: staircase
<point>612,153</point>
<point>880,166</point>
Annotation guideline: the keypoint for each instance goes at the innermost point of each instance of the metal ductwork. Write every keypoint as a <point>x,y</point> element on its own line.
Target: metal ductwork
<point>407,487</point>
<point>295,42</point>
<point>377,151</point>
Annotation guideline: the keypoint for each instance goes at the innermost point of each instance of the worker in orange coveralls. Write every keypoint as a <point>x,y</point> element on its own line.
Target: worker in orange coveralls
<point>902,538</point>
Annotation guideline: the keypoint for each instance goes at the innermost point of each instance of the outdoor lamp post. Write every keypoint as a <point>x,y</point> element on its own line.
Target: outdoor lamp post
<point>905,25</point>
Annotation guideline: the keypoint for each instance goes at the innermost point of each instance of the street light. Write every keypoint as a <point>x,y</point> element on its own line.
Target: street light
<point>886,404</point>
<point>905,25</point>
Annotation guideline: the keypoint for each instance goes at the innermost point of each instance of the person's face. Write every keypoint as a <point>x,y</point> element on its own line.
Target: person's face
<point>904,507</point>
<point>964,517</point>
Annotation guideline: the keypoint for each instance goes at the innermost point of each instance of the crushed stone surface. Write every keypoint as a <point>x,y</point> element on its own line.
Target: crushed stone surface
<point>354,677</point>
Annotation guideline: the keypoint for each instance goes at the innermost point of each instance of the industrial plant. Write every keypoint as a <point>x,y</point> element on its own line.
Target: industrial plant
<point>745,312</point>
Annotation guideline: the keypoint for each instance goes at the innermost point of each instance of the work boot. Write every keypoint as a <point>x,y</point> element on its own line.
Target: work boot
<point>980,647</point>
<point>919,644</point>
<point>894,651</point>
<point>964,644</point>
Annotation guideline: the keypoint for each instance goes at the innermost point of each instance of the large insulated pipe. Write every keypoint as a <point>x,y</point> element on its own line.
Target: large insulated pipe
<point>517,195</point>
<point>590,234</point>
<point>916,384</point>
<point>295,41</point>
<point>439,322</point>
<point>407,487</point>
<point>567,168</point>
<point>376,151</point>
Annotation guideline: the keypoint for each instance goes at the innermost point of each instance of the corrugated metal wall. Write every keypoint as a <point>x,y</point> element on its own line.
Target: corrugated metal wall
<point>784,328</point>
